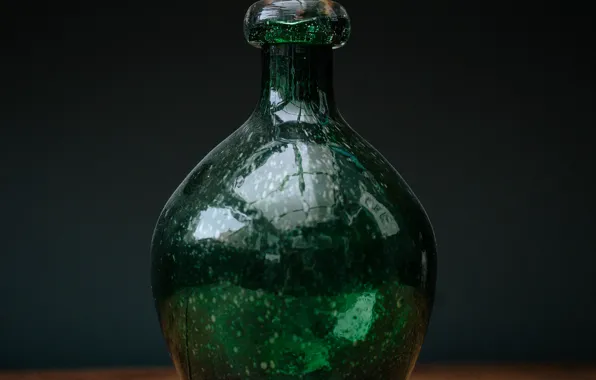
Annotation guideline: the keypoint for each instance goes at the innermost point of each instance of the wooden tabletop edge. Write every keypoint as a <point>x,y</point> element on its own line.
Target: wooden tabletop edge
<point>422,372</point>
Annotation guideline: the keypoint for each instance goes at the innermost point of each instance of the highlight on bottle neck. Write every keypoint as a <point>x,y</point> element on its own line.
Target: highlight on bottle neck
<point>297,83</point>
<point>309,22</point>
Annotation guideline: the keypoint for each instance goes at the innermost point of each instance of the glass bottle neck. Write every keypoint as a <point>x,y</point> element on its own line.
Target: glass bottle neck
<point>297,83</point>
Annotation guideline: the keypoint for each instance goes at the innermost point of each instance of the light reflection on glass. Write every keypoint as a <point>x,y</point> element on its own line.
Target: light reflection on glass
<point>216,223</point>
<point>293,186</point>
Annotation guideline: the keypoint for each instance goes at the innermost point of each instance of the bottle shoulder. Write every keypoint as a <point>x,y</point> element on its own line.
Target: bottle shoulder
<point>265,163</point>
<point>296,181</point>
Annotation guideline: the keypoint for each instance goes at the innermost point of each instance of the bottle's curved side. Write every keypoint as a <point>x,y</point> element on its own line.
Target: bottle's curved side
<point>292,222</point>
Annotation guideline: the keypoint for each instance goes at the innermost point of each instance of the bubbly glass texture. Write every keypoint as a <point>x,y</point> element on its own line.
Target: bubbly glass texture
<point>294,249</point>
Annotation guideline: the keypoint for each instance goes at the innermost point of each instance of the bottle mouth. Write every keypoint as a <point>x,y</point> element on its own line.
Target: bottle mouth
<point>309,22</point>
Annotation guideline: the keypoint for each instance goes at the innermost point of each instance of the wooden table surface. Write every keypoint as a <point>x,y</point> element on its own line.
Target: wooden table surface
<point>421,373</point>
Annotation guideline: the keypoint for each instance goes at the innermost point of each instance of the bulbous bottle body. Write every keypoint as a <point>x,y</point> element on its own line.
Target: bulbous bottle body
<point>294,250</point>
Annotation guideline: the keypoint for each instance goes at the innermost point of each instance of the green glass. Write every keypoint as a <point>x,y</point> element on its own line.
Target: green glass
<point>294,250</point>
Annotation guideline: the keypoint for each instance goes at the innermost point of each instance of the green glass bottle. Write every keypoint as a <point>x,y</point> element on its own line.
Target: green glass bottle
<point>294,250</point>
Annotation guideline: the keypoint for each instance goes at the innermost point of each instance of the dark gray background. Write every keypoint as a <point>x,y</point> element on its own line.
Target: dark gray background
<point>485,108</point>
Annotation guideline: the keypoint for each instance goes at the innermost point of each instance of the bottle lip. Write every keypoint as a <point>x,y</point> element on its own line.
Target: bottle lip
<point>310,22</point>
